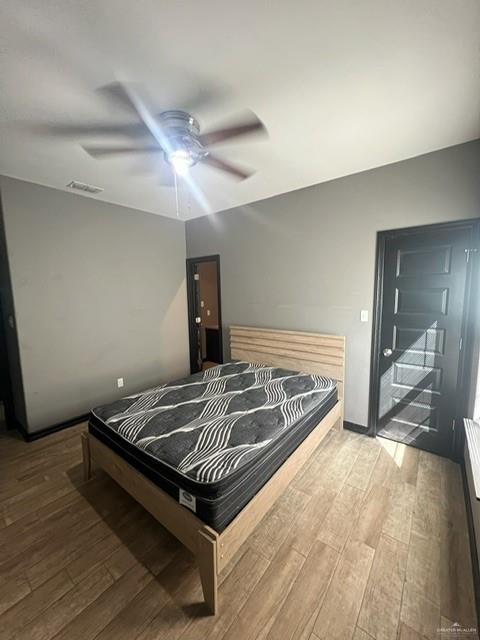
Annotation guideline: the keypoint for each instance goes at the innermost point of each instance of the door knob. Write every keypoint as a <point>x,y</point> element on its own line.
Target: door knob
<point>387,352</point>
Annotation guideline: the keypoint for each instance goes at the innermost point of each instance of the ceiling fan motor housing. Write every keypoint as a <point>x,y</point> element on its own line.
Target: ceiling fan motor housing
<point>182,131</point>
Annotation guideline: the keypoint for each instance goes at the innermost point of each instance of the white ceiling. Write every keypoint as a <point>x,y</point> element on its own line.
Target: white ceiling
<point>341,85</point>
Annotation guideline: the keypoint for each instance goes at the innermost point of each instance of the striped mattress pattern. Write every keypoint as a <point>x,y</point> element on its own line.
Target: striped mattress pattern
<point>211,424</point>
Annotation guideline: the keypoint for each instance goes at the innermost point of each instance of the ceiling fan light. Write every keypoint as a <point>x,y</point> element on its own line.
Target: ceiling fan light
<point>181,161</point>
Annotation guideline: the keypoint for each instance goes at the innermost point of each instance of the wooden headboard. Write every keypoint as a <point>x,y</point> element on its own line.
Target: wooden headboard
<point>319,353</point>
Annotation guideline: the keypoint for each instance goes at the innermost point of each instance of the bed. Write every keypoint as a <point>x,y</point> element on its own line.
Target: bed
<point>208,455</point>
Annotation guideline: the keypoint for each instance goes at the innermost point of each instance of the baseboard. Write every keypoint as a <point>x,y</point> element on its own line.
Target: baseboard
<point>352,426</point>
<point>473,545</point>
<point>29,437</point>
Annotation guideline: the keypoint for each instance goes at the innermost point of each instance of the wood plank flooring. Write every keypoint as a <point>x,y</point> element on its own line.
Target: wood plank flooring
<point>368,542</point>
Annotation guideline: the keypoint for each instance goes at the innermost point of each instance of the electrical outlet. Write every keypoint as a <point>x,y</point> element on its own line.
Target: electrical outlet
<point>208,312</point>
<point>202,303</point>
<point>364,315</point>
<point>119,383</point>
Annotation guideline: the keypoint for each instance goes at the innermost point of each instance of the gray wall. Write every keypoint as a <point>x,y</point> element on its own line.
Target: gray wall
<point>305,260</point>
<point>99,293</point>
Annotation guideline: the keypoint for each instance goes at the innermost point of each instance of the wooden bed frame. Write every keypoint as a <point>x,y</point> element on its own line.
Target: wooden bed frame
<point>309,352</point>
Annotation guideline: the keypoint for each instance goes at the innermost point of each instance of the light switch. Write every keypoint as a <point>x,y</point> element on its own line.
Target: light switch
<point>364,315</point>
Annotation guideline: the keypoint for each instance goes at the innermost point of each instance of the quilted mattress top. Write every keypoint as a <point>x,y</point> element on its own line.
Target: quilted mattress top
<point>211,424</point>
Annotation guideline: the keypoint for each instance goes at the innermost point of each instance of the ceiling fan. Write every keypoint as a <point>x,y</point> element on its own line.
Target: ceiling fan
<point>174,133</point>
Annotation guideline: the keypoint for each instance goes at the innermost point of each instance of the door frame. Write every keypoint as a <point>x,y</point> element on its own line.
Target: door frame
<point>8,404</point>
<point>190,263</point>
<point>470,330</point>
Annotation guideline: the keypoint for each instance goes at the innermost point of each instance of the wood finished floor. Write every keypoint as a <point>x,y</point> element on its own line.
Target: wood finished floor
<point>369,541</point>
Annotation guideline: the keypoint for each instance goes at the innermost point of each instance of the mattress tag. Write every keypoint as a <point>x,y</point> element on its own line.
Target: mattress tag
<point>187,500</point>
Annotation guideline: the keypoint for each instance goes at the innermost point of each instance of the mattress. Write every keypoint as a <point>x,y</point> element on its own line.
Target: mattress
<point>212,440</point>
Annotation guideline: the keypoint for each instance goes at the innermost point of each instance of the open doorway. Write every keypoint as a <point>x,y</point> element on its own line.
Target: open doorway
<point>204,312</point>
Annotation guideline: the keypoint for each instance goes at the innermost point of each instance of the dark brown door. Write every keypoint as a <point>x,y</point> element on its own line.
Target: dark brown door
<point>422,315</point>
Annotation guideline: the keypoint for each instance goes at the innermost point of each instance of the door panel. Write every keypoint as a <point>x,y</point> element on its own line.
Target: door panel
<point>421,300</point>
<point>424,284</point>
<point>423,261</point>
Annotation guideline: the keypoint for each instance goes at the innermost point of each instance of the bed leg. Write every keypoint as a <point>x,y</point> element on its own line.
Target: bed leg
<point>207,563</point>
<point>339,424</point>
<point>87,459</point>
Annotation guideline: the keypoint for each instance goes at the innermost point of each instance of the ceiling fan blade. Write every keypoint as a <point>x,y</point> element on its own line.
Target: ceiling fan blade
<point>245,127</point>
<point>202,97</point>
<point>134,130</point>
<point>218,163</point>
<point>119,94</point>
<point>98,152</point>
<point>128,96</point>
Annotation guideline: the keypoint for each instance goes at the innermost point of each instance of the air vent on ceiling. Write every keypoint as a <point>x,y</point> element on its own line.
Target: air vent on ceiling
<point>81,186</point>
